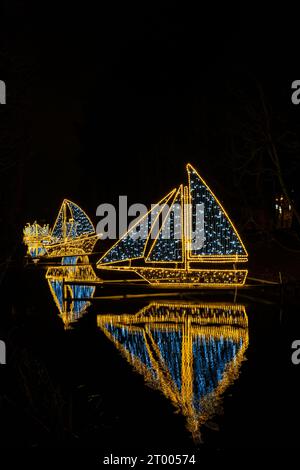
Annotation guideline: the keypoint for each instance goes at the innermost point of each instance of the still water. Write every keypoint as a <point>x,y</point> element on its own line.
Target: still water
<point>189,371</point>
<point>148,373</point>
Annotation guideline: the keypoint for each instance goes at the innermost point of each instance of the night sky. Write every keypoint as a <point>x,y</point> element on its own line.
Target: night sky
<point>115,100</point>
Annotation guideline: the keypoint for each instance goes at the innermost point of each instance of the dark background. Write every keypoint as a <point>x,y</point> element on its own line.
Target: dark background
<point>105,100</point>
<point>111,100</point>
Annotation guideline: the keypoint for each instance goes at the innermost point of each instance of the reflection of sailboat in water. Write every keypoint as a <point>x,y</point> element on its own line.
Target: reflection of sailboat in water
<point>70,298</point>
<point>192,353</point>
<point>72,234</point>
<point>188,248</point>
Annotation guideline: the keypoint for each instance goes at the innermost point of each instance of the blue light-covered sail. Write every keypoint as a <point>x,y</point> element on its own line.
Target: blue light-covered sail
<point>132,245</point>
<point>71,222</point>
<point>82,223</point>
<point>169,242</point>
<point>220,236</point>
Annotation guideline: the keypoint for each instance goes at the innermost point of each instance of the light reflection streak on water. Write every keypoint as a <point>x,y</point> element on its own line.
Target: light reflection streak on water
<point>67,296</point>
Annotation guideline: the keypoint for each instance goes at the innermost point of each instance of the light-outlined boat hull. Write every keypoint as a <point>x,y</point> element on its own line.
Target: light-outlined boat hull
<point>80,246</point>
<point>189,278</point>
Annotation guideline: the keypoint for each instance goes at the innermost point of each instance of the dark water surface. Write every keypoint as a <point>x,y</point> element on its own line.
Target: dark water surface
<point>180,377</point>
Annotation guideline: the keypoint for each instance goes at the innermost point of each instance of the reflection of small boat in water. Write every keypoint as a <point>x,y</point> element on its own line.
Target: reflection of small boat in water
<point>71,299</point>
<point>72,234</point>
<point>188,248</point>
<point>190,352</point>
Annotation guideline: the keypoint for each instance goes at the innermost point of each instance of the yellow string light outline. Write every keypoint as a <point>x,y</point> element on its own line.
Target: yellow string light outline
<point>179,282</point>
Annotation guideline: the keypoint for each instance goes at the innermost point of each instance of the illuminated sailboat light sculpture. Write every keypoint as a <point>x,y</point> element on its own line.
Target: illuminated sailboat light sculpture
<point>72,234</point>
<point>175,261</point>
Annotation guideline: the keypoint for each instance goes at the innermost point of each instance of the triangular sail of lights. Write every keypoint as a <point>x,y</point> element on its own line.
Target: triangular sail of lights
<point>71,222</point>
<point>168,245</point>
<point>133,243</point>
<point>221,240</point>
<point>192,353</point>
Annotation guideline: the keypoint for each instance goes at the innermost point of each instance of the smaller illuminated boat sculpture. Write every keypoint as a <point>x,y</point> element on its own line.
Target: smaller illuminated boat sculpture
<point>190,352</point>
<point>176,260</point>
<point>72,299</point>
<point>35,237</point>
<point>72,234</point>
